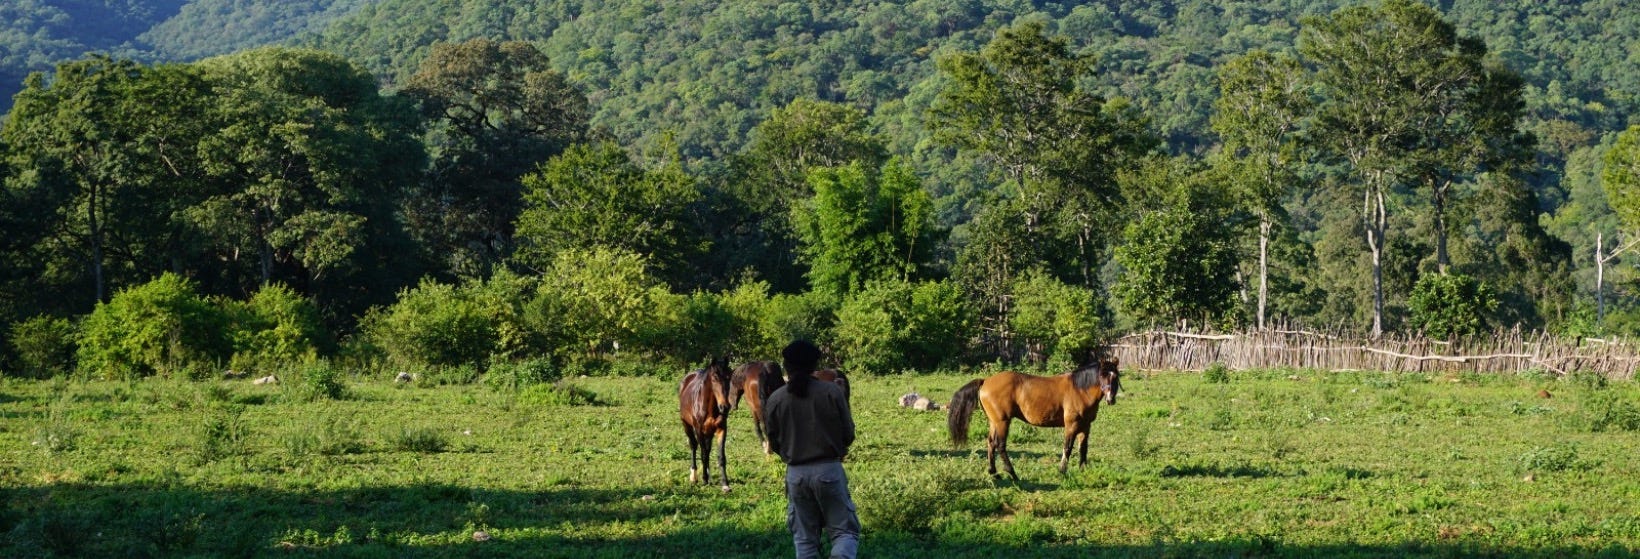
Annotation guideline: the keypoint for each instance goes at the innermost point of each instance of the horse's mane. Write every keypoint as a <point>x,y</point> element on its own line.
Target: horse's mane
<point>1086,376</point>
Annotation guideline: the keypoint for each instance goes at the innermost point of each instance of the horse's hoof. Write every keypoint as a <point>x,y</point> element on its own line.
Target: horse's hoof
<point>725,489</point>
<point>692,476</point>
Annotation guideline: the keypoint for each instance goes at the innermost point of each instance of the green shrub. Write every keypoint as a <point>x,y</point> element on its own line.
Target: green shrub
<point>222,435</point>
<point>682,328</point>
<point>434,325</point>
<point>319,381</point>
<point>1451,305</point>
<point>513,376</point>
<point>806,316</point>
<point>1605,410</point>
<point>591,302</point>
<point>276,327</point>
<point>1553,458</point>
<point>557,394</point>
<point>160,327</point>
<point>1062,320</point>
<point>44,346</point>
<point>1216,373</point>
<point>418,439</point>
<point>893,325</point>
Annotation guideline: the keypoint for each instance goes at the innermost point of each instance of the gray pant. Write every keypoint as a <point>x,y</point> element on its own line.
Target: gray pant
<point>817,496</point>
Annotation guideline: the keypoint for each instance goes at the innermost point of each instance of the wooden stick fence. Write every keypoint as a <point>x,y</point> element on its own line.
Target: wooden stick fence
<point>1503,352</point>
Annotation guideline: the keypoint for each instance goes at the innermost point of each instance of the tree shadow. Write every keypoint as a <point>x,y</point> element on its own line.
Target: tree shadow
<point>436,520</point>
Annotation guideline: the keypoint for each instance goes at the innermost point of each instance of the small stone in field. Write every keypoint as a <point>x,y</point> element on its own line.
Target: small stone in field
<point>481,536</point>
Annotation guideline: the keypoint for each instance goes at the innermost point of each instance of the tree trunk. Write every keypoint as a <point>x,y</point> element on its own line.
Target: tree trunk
<point>1599,279</point>
<point>96,238</point>
<point>1263,266</point>
<point>1439,188</point>
<point>1377,216</point>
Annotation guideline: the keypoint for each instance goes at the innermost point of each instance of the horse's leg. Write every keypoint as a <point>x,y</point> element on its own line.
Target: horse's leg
<point>757,427</point>
<point>1085,433</point>
<point>1070,442</point>
<point>693,446</point>
<point>991,444</point>
<point>1002,448</point>
<point>723,459</point>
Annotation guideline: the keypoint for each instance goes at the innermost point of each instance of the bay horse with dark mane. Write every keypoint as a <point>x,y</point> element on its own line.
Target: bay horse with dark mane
<point>703,404</point>
<point>750,381</point>
<point>773,381</point>
<point>1070,400</point>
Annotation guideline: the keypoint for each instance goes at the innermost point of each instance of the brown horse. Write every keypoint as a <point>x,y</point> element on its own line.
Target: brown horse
<point>749,381</point>
<point>773,381</point>
<point>703,403</point>
<point>1070,400</point>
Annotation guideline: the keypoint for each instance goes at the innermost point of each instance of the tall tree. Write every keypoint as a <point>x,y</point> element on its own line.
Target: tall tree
<point>1620,178</point>
<point>595,195</point>
<point>1384,74</point>
<point>496,111</point>
<point>864,225</point>
<point>1263,101</point>
<point>1178,255</point>
<point>103,153</point>
<point>1021,102</point>
<point>771,174</point>
<point>310,162</point>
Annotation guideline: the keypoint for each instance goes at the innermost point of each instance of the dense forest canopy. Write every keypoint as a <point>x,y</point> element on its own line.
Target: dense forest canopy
<point>977,178</point>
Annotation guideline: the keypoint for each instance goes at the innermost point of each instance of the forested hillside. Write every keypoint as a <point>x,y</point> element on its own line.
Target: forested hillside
<point>35,34</point>
<point>912,182</point>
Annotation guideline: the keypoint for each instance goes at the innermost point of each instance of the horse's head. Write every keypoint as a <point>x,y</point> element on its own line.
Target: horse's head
<point>717,374</point>
<point>1110,379</point>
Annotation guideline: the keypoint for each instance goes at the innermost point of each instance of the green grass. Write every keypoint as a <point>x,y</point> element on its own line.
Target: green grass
<point>1258,464</point>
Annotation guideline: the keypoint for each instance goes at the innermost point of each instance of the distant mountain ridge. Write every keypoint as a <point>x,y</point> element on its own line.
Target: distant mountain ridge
<point>704,72</point>
<point>36,34</point>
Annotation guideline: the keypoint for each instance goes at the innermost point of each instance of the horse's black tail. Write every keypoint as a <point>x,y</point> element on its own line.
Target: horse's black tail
<point>770,381</point>
<point>961,410</point>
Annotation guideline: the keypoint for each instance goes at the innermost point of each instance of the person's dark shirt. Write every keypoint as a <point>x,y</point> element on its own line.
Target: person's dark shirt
<point>812,429</point>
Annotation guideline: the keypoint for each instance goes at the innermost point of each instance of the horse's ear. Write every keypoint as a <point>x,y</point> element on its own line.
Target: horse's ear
<point>1111,362</point>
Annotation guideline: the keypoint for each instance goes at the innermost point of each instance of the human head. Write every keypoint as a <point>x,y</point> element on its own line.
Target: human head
<point>801,356</point>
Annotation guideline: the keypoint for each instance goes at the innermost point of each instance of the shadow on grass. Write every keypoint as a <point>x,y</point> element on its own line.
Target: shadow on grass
<point>1018,455</point>
<point>79,520</point>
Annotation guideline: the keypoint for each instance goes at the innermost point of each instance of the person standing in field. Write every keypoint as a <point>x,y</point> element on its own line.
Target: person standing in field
<point>810,426</point>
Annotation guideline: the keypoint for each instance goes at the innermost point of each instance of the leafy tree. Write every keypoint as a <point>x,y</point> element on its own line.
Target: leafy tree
<point>771,174</point>
<point>1055,321</point>
<point>1263,102</point>
<point>864,225</point>
<point>594,301</point>
<point>497,110</point>
<point>1384,74</point>
<point>1620,180</point>
<point>998,249</point>
<point>312,161</point>
<point>1020,101</point>
<point>1178,261</point>
<point>595,195</point>
<point>101,156</point>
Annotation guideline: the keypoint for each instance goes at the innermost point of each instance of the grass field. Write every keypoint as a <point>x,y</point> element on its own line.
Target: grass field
<point>1265,464</point>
